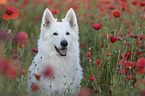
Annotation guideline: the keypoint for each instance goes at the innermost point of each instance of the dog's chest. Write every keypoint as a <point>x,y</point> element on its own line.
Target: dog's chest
<point>64,70</point>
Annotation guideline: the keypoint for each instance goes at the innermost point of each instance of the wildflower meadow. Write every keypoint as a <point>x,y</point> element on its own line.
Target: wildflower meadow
<point>111,36</point>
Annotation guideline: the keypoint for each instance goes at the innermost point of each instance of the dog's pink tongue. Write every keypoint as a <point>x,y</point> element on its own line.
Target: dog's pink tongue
<point>63,52</point>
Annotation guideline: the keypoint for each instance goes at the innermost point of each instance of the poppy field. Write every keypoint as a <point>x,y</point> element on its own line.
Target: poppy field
<point>111,36</point>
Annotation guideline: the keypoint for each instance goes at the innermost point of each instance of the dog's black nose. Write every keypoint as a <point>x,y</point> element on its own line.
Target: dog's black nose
<point>64,43</point>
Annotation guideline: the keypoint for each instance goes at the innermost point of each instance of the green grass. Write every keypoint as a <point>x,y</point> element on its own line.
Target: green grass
<point>106,76</point>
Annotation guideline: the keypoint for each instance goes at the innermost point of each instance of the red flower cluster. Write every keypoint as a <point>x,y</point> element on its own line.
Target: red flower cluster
<point>21,37</point>
<point>10,12</point>
<point>98,62</point>
<point>116,14</point>
<point>141,65</point>
<point>107,53</point>
<point>7,68</point>
<point>88,54</point>
<point>97,26</point>
<point>35,88</point>
<point>129,65</point>
<point>55,11</point>
<point>91,77</point>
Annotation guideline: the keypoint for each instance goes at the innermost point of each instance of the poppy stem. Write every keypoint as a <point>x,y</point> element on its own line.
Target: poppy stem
<point>7,24</point>
<point>95,41</point>
<point>117,25</point>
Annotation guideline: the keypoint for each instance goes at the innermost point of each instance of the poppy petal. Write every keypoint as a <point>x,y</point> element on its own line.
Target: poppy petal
<point>15,14</point>
<point>6,16</point>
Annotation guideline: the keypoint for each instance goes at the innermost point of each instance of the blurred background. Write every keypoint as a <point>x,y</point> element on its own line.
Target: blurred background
<point>104,75</point>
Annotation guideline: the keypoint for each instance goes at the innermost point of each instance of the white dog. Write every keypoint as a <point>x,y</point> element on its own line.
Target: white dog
<point>58,50</point>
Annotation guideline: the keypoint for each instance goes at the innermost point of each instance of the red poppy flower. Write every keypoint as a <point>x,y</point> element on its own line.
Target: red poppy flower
<point>136,36</point>
<point>113,39</point>
<point>84,92</point>
<point>123,8</point>
<point>47,72</point>
<point>105,35</point>
<point>141,65</point>
<point>50,1</point>
<point>55,11</point>
<point>127,55</point>
<point>129,78</point>
<point>7,68</point>
<point>15,56</point>
<point>137,42</point>
<point>10,12</point>
<point>135,85</point>
<point>21,45</point>
<point>21,37</point>
<point>91,77</point>
<point>24,72</point>
<point>11,72</point>
<point>132,35</point>
<point>134,2</point>
<point>34,50</point>
<point>35,88</point>
<point>142,92</point>
<point>98,62</point>
<point>83,45</point>
<point>112,7</point>
<point>110,92</point>
<point>122,56</point>
<point>107,53</point>
<point>116,14</point>
<point>88,54</point>
<point>129,65</point>
<point>142,37</point>
<point>36,16</point>
<point>142,3</point>
<point>37,76</point>
<point>97,26</point>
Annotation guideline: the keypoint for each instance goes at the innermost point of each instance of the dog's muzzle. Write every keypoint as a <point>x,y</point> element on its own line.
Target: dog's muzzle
<point>62,51</point>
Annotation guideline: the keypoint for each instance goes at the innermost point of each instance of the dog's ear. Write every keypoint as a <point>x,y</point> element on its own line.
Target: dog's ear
<point>71,18</point>
<point>47,18</point>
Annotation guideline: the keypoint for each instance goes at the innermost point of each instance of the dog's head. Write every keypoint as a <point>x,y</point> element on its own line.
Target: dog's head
<point>58,37</point>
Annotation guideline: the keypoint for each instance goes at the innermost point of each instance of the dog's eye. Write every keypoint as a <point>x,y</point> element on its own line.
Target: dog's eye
<point>67,33</point>
<point>55,33</point>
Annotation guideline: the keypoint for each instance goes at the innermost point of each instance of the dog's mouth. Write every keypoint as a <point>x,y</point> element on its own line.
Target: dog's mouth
<point>62,51</point>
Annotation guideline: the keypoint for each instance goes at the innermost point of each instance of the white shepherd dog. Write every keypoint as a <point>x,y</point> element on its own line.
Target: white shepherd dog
<point>57,65</point>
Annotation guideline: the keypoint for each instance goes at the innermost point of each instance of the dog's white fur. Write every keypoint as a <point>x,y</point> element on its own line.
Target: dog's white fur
<point>67,69</point>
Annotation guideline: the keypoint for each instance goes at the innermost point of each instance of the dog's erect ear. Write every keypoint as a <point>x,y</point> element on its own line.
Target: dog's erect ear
<point>47,18</point>
<point>71,18</point>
